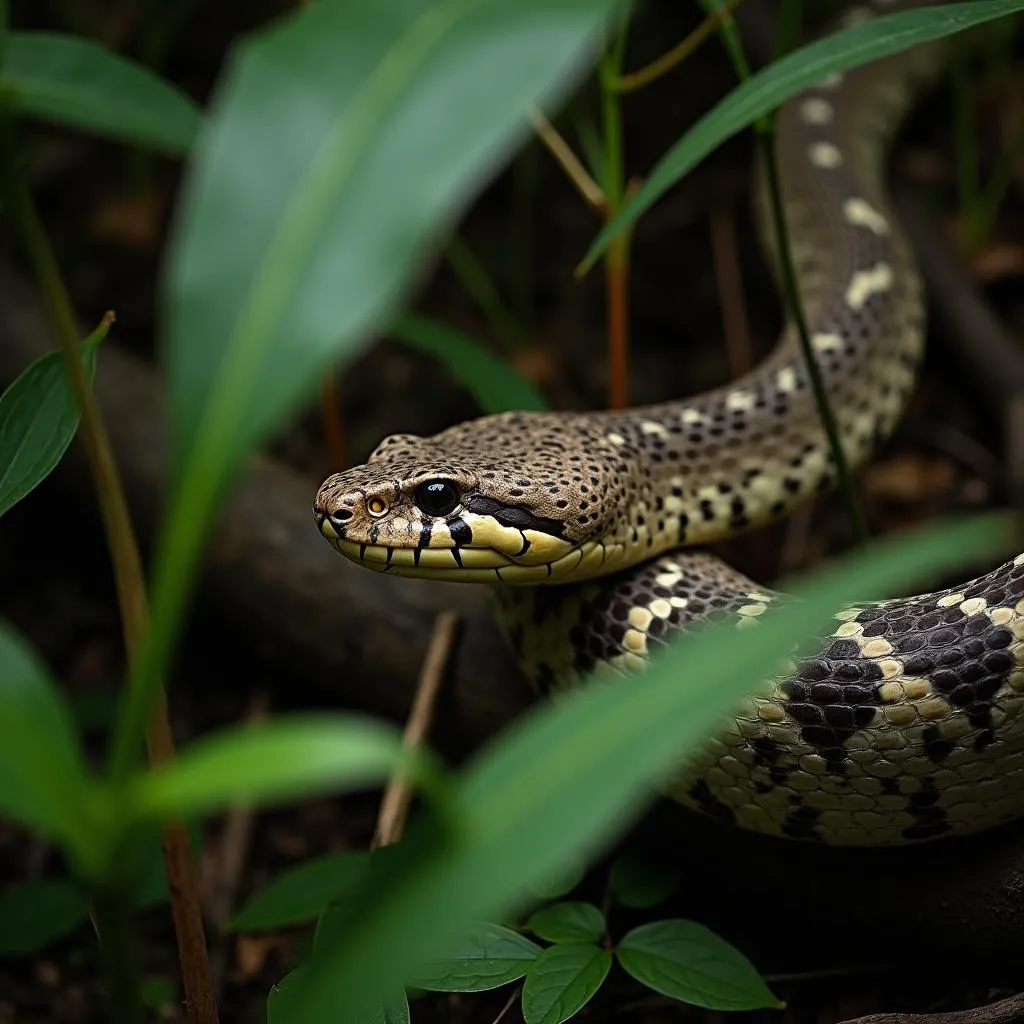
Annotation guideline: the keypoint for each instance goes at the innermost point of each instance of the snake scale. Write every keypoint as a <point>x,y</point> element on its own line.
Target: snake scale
<point>906,723</point>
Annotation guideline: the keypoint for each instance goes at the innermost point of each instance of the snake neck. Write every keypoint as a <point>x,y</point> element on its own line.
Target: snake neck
<point>744,454</point>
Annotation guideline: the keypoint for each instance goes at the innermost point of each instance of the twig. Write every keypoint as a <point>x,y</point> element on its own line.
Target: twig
<point>1004,1011</point>
<point>131,593</point>
<point>331,416</point>
<point>735,325</point>
<point>647,74</point>
<point>568,161</point>
<point>509,1003</point>
<point>394,806</point>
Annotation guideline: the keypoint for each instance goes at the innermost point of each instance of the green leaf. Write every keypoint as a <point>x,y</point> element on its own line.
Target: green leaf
<point>495,385</point>
<point>489,956</point>
<point>685,961</point>
<point>282,759</point>
<point>568,775</point>
<point>42,779</point>
<point>639,880</point>
<point>570,921</point>
<point>560,882</point>
<point>281,1005</point>
<point>391,1009</point>
<point>371,126</point>
<point>764,91</point>
<point>78,83</point>
<point>38,419</point>
<point>284,997</point>
<point>562,980</point>
<point>35,914</point>
<point>302,892</point>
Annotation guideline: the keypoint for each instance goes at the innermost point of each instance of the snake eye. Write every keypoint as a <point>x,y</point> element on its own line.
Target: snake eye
<point>436,497</point>
<point>376,506</point>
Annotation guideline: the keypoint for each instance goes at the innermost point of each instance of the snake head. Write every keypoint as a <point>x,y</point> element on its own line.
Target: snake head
<point>459,506</point>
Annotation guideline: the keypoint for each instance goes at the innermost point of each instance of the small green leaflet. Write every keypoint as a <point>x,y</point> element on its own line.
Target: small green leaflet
<point>301,893</point>
<point>685,961</point>
<point>494,384</point>
<point>78,83</point>
<point>562,980</point>
<point>570,921</point>
<point>639,880</point>
<point>36,913</point>
<point>490,956</point>
<point>38,419</point>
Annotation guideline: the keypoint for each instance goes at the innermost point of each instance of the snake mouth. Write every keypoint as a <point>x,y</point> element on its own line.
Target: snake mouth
<point>473,564</point>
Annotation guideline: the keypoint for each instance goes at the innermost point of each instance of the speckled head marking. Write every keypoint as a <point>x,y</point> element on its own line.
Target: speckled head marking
<point>515,499</point>
<point>906,722</point>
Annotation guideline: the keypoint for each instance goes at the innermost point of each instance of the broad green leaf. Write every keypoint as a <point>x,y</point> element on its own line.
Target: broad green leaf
<point>38,419</point>
<point>342,142</point>
<point>562,980</point>
<point>371,126</point>
<point>302,892</point>
<point>283,998</point>
<point>42,779</point>
<point>560,883</point>
<point>571,921</point>
<point>37,913</point>
<point>763,92</point>
<point>568,775</point>
<point>288,757</point>
<point>78,83</point>
<point>640,880</point>
<point>489,956</point>
<point>685,961</point>
<point>495,385</point>
<point>392,1008</point>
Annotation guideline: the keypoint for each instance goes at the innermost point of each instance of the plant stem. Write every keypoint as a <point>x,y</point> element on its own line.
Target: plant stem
<point>129,582</point>
<point>111,913</point>
<point>649,72</point>
<point>791,294</point>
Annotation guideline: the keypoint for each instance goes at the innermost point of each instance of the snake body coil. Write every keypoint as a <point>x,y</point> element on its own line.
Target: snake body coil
<point>907,725</point>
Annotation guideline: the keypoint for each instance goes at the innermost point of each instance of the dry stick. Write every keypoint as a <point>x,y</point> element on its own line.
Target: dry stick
<point>333,429</point>
<point>131,594</point>
<point>637,79</point>
<point>394,806</point>
<point>725,259</point>
<point>512,996</point>
<point>1005,1011</point>
<point>568,161</point>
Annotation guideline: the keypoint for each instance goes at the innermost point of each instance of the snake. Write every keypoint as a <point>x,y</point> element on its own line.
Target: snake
<point>903,721</point>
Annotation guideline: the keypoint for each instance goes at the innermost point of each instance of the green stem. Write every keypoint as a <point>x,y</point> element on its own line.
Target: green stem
<point>789,25</point>
<point>112,917</point>
<point>791,294</point>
